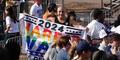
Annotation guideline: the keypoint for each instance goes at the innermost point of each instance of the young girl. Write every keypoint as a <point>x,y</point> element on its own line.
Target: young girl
<point>12,29</point>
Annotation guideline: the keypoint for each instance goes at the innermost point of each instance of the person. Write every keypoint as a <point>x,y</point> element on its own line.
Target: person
<point>116,26</point>
<point>114,46</point>
<point>52,52</point>
<point>50,14</point>
<point>95,26</point>
<point>2,3</point>
<point>12,28</point>
<point>61,18</point>
<point>21,17</point>
<point>106,39</point>
<point>84,50</point>
<point>72,20</point>
<point>63,52</point>
<point>99,55</point>
<point>73,54</point>
<point>36,9</point>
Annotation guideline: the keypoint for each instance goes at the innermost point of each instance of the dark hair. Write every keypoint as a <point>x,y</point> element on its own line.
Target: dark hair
<point>52,7</point>
<point>22,7</point>
<point>116,37</point>
<point>71,13</point>
<point>96,13</point>
<point>98,55</point>
<point>11,14</point>
<point>112,57</point>
<point>62,41</point>
<point>13,48</point>
<point>117,22</point>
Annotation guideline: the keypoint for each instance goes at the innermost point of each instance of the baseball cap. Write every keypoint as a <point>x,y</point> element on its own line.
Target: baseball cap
<point>83,46</point>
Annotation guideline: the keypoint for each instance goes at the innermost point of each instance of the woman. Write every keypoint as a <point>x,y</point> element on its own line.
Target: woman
<point>72,20</point>
<point>73,54</point>
<point>50,15</point>
<point>52,52</point>
<point>12,29</point>
<point>65,45</point>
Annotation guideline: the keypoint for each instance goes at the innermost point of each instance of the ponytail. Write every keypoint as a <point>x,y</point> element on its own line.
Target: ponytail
<point>73,51</point>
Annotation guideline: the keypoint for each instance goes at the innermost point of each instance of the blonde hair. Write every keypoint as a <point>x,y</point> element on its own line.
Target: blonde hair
<point>72,51</point>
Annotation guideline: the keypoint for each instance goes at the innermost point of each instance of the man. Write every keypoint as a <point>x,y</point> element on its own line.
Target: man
<point>36,9</point>
<point>96,25</point>
<point>61,18</point>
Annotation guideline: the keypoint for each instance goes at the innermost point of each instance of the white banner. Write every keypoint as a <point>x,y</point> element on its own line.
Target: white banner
<point>40,33</point>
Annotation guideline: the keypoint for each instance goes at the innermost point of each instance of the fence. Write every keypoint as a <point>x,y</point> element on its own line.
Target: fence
<point>17,39</point>
<point>112,8</point>
<point>83,18</point>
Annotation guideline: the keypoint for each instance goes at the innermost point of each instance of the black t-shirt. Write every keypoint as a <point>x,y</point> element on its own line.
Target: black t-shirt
<point>65,23</point>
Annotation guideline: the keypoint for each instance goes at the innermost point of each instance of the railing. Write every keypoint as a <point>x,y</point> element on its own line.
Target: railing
<point>112,8</point>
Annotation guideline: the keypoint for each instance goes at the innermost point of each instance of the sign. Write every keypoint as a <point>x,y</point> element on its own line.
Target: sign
<point>40,33</point>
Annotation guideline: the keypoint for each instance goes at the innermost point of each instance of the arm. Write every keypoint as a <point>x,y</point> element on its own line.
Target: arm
<point>8,22</point>
<point>7,29</point>
<point>32,11</point>
<point>47,54</point>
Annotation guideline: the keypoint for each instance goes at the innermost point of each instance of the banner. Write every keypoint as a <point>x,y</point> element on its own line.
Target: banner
<point>40,33</point>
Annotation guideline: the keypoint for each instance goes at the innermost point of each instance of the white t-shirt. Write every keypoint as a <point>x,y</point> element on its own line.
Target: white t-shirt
<point>36,10</point>
<point>14,26</point>
<point>94,28</point>
<point>22,22</point>
<point>116,29</point>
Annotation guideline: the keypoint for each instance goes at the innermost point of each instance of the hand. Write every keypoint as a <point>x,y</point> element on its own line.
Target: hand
<point>6,31</point>
<point>114,50</point>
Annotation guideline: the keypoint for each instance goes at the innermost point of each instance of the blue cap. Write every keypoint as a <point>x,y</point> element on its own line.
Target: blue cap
<point>83,46</point>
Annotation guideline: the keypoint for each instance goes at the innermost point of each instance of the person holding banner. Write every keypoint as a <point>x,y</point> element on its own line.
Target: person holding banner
<point>95,26</point>
<point>61,18</point>
<point>12,28</point>
<point>36,9</point>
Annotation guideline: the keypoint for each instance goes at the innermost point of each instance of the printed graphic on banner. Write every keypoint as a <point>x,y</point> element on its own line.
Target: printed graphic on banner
<point>41,33</point>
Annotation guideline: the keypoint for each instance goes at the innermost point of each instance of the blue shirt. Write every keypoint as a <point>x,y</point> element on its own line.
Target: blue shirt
<point>63,55</point>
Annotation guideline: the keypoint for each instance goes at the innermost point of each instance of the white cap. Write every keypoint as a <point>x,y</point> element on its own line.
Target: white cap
<point>102,33</point>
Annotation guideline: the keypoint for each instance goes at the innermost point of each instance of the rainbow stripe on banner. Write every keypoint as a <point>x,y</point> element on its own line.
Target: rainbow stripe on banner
<point>39,34</point>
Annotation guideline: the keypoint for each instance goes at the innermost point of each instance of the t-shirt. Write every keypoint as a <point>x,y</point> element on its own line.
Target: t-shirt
<point>116,29</point>
<point>51,53</point>
<point>36,10</point>
<point>14,26</point>
<point>65,23</point>
<point>63,55</point>
<point>94,28</point>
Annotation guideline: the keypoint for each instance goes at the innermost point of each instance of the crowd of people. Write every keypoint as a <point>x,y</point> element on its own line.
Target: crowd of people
<point>107,46</point>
